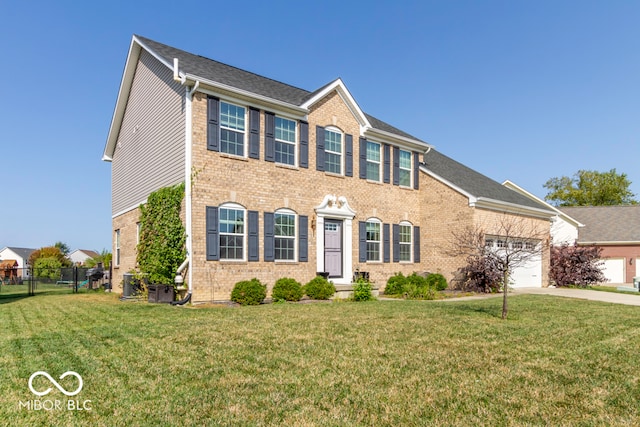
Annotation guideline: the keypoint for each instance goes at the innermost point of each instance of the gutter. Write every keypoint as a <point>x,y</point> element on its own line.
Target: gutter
<point>189,91</point>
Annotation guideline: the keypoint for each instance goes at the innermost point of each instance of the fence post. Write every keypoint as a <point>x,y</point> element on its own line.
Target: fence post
<point>32,282</point>
<point>75,279</point>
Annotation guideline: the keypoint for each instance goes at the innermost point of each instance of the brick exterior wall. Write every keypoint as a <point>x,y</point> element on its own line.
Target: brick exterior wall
<point>263,186</point>
<point>128,225</point>
<point>631,256</point>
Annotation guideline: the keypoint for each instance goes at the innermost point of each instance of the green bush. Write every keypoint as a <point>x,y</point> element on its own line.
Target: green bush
<point>395,284</point>
<point>249,292</point>
<point>287,289</point>
<point>319,288</point>
<point>362,290</point>
<point>417,287</point>
<point>437,281</point>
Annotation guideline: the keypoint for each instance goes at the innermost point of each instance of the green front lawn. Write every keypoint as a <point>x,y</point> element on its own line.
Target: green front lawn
<point>553,362</point>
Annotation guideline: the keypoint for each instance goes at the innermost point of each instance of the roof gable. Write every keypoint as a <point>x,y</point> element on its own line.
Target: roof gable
<point>193,68</point>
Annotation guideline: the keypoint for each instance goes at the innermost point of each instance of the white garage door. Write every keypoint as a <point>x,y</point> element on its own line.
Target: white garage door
<point>528,275</point>
<point>613,270</point>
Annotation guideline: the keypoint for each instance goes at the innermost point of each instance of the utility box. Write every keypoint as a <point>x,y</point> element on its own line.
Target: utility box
<point>161,293</point>
<point>636,282</point>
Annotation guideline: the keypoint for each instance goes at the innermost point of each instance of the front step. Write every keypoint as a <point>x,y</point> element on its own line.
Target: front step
<point>346,291</point>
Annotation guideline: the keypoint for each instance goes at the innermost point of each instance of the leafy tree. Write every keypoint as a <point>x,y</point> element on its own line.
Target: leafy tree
<point>104,257</point>
<point>590,188</point>
<point>49,252</point>
<point>64,248</point>
<point>576,265</point>
<point>520,241</point>
<point>47,267</point>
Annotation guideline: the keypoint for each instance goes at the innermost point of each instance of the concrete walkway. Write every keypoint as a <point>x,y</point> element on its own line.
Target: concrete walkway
<point>603,296</point>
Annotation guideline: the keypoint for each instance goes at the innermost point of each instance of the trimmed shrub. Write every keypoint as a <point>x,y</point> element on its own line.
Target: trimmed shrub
<point>362,290</point>
<point>319,288</point>
<point>287,289</point>
<point>249,292</point>
<point>437,281</point>
<point>480,274</point>
<point>417,287</point>
<point>395,284</point>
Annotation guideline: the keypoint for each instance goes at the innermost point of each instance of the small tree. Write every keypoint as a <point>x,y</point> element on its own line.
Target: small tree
<point>576,265</point>
<point>512,242</point>
<point>49,252</point>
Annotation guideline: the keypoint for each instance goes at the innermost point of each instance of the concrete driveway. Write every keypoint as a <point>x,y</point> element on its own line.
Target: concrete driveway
<point>612,297</point>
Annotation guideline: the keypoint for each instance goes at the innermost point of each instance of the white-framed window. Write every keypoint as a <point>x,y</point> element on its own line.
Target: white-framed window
<point>233,120</point>
<point>405,241</point>
<point>117,254</point>
<point>405,168</point>
<point>373,161</point>
<point>285,235</point>
<point>501,243</point>
<point>333,151</point>
<point>488,243</point>
<point>374,240</point>
<point>285,150</point>
<point>232,230</point>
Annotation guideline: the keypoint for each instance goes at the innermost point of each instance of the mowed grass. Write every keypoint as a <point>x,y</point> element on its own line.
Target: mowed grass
<point>385,363</point>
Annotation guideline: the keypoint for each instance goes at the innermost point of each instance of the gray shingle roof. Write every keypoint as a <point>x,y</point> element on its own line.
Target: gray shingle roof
<point>473,182</point>
<point>25,253</point>
<point>606,223</point>
<point>212,70</point>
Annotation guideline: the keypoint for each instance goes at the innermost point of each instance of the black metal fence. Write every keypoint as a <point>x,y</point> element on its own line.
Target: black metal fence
<point>32,281</point>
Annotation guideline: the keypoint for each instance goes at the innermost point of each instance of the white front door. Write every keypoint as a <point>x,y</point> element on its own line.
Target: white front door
<point>333,248</point>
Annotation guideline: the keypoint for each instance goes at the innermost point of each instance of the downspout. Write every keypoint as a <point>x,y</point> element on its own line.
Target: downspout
<point>187,186</point>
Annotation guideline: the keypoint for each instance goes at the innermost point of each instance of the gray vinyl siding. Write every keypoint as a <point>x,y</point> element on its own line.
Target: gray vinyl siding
<point>150,150</point>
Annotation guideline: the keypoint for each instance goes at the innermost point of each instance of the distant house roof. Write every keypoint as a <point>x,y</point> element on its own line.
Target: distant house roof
<point>607,224</point>
<point>23,253</point>
<point>479,188</point>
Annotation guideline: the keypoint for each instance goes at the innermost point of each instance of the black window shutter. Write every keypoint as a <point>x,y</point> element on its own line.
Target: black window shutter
<point>416,244</point>
<point>213,120</point>
<point>253,235</point>
<point>348,160</point>
<point>304,145</point>
<point>386,244</point>
<point>416,171</point>
<point>396,242</point>
<point>387,164</point>
<point>303,238</point>
<point>213,243</point>
<point>396,166</point>
<point>269,136</point>
<point>319,148</point>
<point>254,133</point>
<point>269,239</point>
<point>363,159</point>
<point>362,241</point>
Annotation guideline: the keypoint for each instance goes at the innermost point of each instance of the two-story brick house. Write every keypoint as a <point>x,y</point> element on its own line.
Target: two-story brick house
<point>284,182</point>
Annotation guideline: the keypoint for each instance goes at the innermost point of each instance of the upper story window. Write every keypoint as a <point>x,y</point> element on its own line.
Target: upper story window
<point>232,232</point>
<point>373,240</point>
<point>285,235</point>
<point>232,129</point>
<point>333,151</point>
<point>405,168</point>
<point>285,146</point>
<point>405,242</point>
<point>373,161</point>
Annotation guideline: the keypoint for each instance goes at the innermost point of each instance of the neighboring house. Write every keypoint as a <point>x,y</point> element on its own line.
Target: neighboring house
<point>564,229</point>
<point>284,182</point>
<point>616,229</point>
<point>79,256</point>
<point>21,256</point>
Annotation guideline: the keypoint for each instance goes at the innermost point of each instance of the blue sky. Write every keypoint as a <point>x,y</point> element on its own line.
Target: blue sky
<point>519,90</point>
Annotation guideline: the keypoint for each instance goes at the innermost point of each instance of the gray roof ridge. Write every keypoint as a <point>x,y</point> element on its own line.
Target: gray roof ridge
<point>146,39</point>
